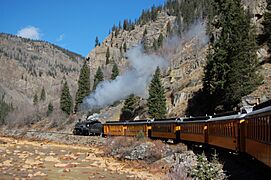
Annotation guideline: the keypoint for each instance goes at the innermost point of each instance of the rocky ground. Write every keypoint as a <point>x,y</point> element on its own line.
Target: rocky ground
<point>26,159</point>
<point>47,155</point>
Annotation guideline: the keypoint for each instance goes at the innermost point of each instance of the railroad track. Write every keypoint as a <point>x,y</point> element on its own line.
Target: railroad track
<point>49,132</point>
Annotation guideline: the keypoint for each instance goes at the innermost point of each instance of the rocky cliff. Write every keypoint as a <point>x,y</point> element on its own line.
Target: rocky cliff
<point>186,60</point>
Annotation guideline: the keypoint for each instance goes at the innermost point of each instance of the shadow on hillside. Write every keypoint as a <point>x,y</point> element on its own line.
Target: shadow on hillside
<point>198,105</point>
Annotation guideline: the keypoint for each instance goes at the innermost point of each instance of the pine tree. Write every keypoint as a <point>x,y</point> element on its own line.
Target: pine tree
<point>107,56</point>
<point>5,108</point>
<point>266,35</point>
<point>98,78</point>
<point>130,107</point>
<point>231,67</point>
<point>97,43</point>
<point>145,32</point>
<point>160,40</point>
<point>155,45</point>
<point>115,71</point>
<point>144,40</point>
<point>168,28</point>
<point>83,85</point>
<point>50,109</point>
<point>157,100</point>
<point>125,24</point>
<point>42,95</point>
<point>35,99</point>
<point>125,47</point>
<point>66,104</point>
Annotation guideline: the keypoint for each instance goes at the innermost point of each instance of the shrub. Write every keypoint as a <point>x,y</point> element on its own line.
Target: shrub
<point>208,170</point>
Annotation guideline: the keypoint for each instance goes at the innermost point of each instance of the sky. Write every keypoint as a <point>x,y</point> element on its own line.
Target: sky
<point>71,24</point>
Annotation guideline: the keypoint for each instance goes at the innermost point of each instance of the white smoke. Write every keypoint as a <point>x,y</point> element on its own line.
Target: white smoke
<point>141,68</point>
<point>134,81</point>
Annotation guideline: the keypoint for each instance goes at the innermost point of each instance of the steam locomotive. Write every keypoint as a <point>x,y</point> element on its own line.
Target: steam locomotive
<point>88,127</point>
<point>242,132</point>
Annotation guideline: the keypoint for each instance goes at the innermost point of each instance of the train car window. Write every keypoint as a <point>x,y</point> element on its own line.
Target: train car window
<point>261,129</point>
<point>230,130</point>
<point>264,128</point>
<point>233,130</point>
<point>256,128</point>
<point>268,129</point>
<point>249,131</point>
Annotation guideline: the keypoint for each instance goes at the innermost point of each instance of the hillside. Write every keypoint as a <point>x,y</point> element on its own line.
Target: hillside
<point>27,66</point>
<point>186,54</point>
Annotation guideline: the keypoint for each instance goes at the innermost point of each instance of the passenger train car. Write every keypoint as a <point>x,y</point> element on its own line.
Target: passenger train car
<point>249,133</point>
<point>257,139</point>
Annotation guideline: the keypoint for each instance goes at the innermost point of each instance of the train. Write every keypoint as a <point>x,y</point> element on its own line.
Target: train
<point>248,133</point>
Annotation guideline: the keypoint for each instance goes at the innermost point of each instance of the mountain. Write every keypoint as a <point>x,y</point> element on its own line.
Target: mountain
<point>187,58</point>
<point>27,66</point>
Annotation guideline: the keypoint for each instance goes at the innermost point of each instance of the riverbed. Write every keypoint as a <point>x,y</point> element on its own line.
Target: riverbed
<point>26,159</point>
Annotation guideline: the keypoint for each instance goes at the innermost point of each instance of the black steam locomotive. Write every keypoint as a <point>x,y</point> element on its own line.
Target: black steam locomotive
<point>88,127</point>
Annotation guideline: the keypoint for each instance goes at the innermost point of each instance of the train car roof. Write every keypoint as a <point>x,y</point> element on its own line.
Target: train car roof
<point>230,117</point>
<point>263,110</point>
<point>127,122</point>
<point>195,121</point>
<point>165,121</point>
<point>198,118</point>
<point>262,105</point>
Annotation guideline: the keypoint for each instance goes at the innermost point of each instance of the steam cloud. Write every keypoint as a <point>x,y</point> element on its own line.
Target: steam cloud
<point>141,68</point>
<point>134,81</point>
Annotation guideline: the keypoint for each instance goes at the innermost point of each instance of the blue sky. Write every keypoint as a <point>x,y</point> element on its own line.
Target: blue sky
<point>72,24</point>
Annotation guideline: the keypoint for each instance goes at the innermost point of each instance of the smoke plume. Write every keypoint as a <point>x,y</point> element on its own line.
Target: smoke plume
<point>134,81</point>
<point>141,68</point>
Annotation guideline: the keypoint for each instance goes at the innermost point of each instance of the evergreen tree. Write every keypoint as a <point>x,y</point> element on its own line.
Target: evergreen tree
<point>125,24</point>
<point>50,109</point>
<point>157,99</point>
<point>115,71</point>
<point>145,32</point>
<point>97,43</point>
<point>35,99</point>
<point>107,56</point>
<point>160,40</point>
<point>231,67</point>
<point>98,77</point>
<point>155,45</point>
<point>266,36</point>
<point>66,103</point>
<point>168,28</point>
<point>5,108</point>
<point>83,85</point>
<point>130,108</point>
<point>125,47</point>
<point>42,94</point>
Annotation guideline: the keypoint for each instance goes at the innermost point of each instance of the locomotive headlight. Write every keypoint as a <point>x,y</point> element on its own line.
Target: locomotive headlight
<point>205,128</point>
